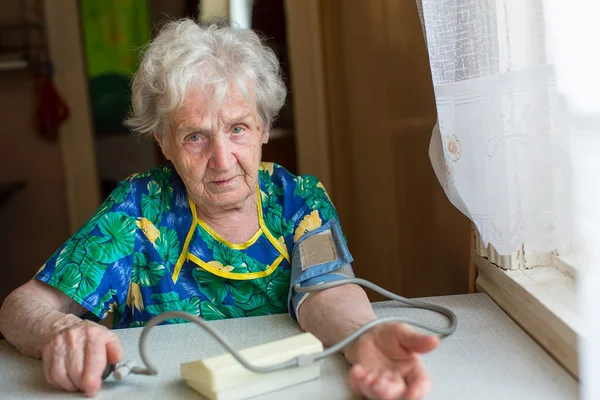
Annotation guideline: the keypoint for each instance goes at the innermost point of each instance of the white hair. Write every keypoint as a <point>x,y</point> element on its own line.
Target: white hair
<point>212,56</point>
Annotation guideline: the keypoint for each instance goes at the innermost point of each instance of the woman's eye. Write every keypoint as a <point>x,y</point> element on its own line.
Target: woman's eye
<point>237,130</point>
<point>194,138</point>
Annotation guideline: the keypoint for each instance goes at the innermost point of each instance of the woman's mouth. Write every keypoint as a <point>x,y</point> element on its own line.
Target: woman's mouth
<point>223,182</point>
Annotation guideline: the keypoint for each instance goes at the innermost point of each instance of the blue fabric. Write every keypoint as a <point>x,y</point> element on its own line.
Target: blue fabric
<point>124,259</point>
<point>320,273</point>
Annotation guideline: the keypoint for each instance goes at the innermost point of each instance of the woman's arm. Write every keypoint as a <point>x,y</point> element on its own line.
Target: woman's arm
<point>333,314</point>
<point>33,313</point>
<point>41,321</point>
<point>386,362</point>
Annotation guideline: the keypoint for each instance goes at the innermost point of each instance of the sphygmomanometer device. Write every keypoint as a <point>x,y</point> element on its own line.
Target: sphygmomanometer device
<point>320,261</point>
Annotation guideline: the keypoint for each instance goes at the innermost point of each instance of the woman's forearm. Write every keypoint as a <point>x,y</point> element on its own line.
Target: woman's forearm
<point>334,313</point>
<point>28,322</point>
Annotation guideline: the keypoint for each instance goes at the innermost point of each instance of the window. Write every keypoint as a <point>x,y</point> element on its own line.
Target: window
<point>538,290</point>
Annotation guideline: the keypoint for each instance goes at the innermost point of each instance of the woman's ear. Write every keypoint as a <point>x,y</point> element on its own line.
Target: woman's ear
<point>265,136</point>
<point>164,147</point>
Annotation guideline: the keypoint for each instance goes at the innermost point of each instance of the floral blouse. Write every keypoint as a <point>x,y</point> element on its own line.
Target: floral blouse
<point>145,251</point>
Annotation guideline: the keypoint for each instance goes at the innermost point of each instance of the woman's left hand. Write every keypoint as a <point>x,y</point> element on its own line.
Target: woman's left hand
<point>387,363</point>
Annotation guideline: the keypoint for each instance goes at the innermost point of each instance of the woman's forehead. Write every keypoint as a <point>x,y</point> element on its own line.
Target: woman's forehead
<point>201,104</point>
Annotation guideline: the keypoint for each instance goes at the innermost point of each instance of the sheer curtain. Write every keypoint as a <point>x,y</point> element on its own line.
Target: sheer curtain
<point>499,148</point>
<point>517,143</point>
<point>574,34</point>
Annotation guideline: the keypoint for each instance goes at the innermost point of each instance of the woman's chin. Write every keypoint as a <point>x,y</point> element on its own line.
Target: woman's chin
<point>231,198</point>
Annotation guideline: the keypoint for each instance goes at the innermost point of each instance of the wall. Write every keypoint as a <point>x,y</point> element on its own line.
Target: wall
<point>34,221</point>
<point>375,121</point>
<point>161,10</point>
<point>120,154</point>
<point>214,9</point>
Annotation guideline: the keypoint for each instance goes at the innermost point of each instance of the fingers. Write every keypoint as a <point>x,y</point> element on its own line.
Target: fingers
<point>357,372</point>
<point>55,369</point>
<point>75,359</point>
<point>396,370</point>
<point>114,349</point>
<point>372,384</point>
<point>418,382</point>
<point>388,386</point>
<point>361,380</point>
<point>95,362</point>
<point>413,340</point>
<point>47,365</point>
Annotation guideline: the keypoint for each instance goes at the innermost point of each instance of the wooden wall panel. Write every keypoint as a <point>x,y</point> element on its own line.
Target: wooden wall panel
<point>64,38</point>
<point>305,48</point>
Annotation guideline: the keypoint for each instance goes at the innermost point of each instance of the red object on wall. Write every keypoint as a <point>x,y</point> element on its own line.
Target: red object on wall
<point>51,110</point>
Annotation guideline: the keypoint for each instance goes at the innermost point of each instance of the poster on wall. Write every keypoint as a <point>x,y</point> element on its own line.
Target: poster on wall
<point>114,32</point>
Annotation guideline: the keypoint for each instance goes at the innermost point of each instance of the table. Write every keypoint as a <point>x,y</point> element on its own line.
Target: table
<point>488,357</point>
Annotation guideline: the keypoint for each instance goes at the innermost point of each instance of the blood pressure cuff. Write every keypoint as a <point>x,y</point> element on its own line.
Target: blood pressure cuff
<point>320,256</point>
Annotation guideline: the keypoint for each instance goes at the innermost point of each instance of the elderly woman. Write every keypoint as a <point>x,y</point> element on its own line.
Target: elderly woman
<point>216,234</point>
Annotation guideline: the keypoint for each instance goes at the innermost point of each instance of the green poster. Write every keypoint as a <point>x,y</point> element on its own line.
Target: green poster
<point>114,32</point>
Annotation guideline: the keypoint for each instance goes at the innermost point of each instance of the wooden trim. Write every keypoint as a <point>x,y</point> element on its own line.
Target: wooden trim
<point>305,41</point>
<point>76,134</point>
<point>472,265</point>
<point>541,323</point>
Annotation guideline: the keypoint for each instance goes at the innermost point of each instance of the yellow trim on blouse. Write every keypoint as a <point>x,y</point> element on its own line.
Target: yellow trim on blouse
<point>186,244</point>
<point>231,275</point>
<point>268,234</point>
<point>235,275</point>
<point>226,242</point>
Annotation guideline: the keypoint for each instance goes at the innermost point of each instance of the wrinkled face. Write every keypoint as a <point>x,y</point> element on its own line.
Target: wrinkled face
<point>216,150</point>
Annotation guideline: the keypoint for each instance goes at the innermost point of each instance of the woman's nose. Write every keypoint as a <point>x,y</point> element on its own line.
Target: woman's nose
<point>222,158</point>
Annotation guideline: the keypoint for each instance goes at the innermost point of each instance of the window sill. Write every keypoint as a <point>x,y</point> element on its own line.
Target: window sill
<point>542,301</point>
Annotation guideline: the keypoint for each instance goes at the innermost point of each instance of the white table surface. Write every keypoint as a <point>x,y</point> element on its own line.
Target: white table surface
<point>488,357</point>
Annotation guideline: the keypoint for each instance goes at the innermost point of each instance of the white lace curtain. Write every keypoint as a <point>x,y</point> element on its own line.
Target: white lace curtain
<point>499,148</point>
<point>574,34</point>
<point>517,144</point>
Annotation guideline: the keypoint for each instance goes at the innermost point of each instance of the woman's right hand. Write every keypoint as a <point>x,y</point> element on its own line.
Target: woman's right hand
<point>75,358</point>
